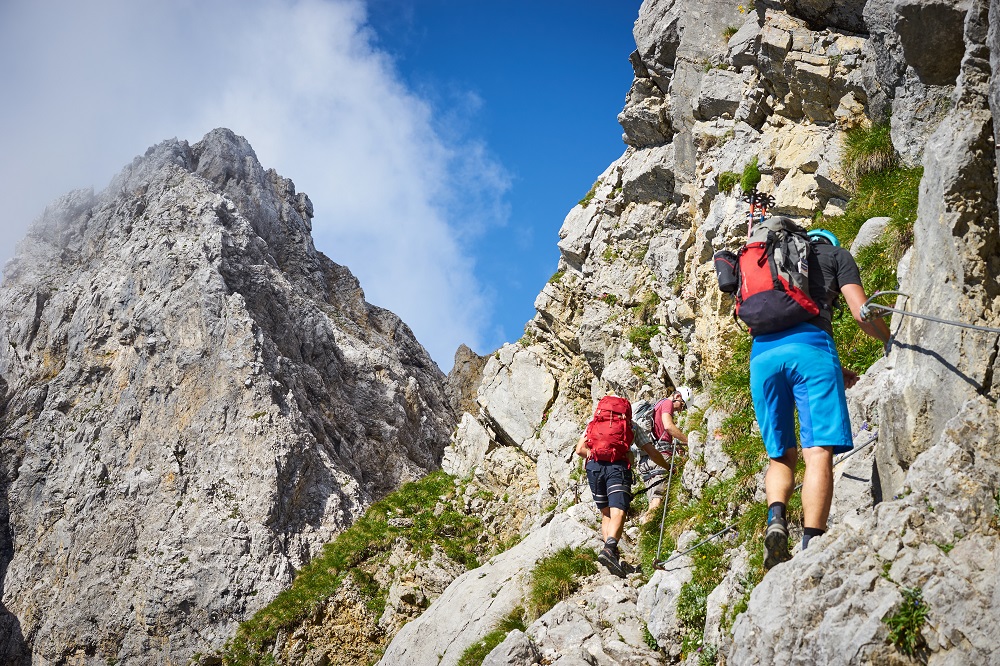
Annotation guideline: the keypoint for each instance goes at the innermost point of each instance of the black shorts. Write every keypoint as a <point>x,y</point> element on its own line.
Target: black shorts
<point>610,484</point>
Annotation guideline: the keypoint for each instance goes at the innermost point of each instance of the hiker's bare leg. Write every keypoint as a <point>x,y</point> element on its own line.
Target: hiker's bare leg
<point>780,477</point>
<point>817,486</point>
<point>612,523</point>
<point>654,508</point>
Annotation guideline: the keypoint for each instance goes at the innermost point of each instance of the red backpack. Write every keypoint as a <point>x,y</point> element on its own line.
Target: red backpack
<point>609,433</point>
<point>773,276</point>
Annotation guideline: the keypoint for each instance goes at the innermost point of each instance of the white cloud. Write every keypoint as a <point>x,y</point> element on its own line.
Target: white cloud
<point>395,198</point>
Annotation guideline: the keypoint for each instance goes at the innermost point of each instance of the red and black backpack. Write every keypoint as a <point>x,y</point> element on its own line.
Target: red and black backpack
<point>609,433</point>
<point>771,282</point>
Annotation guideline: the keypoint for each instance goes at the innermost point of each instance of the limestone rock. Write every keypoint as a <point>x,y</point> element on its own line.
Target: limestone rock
<point>645,119</point>
<point>720,94</point>
<point>517,390</point>
<point>464,379</point>
<point>869,233</point>
<point>931,34</point>
<point>837,14</point>
<point>515,650</point>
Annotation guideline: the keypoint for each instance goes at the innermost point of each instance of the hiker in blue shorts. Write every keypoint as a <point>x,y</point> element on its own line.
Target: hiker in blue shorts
<point>800,366</point>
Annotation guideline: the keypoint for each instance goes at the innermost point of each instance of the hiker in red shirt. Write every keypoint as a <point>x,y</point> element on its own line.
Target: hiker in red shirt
<point>664,427</point>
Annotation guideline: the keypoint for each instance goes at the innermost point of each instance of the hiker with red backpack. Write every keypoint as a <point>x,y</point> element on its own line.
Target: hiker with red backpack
<point>605,445</point>
<point>786,284</point>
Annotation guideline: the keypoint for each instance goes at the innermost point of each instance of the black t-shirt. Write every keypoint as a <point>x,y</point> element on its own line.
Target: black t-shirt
<point>830,268</point>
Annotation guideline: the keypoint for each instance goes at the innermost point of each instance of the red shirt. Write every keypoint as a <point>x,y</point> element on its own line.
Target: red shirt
<point>663,406</point>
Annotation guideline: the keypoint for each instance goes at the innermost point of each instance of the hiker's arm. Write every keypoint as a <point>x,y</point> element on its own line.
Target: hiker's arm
<point>582,448</point>
<point>855,296</point>
<point>655,455</point>
<point>671,428</point>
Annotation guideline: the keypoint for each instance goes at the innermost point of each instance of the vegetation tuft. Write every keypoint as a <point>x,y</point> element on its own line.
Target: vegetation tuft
<point>557,576</point>
<point>906,622</point>
<point>431,521</point>
<point>727,181</point>
<point>868,150</point>
<point>640,336</point>
<point>751,176</point>
<point>476,653</point>
<point>585,201</point>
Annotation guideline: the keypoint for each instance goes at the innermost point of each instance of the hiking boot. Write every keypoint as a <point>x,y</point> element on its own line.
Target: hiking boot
<point>609,559</point>
<point>776,544</point>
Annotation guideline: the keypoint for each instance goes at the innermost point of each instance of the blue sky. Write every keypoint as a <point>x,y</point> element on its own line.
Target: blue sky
<point>442,142</point>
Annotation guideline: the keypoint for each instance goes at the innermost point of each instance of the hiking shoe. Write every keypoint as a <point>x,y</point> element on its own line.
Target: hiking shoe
<point>776,544</point>
<point>609,559</point>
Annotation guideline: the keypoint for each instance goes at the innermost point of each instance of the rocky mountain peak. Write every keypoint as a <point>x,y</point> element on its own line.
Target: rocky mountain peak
<point>195,400</point>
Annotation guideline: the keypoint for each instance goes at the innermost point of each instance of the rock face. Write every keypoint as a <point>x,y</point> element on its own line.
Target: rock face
<point>194,400</point>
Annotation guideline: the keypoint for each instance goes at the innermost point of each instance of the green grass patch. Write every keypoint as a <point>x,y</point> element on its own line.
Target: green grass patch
<point>640,336</point>
<point>556,577</point>
<point>894,194</point>
<point>556,277</point>
<point>729,31</point>
<point>369,537</point>
<point>906,622</point>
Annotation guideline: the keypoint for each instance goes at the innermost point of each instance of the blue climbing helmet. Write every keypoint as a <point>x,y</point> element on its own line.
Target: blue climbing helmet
<point>823,236</point>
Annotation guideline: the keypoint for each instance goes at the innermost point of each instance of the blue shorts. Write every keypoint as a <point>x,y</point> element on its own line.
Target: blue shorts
<point>610,484</point>
<point>799,367</point>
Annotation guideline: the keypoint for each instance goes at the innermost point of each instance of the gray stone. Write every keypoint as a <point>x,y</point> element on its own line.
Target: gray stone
<point>931,35</point>
<point>515,650</point>
<point>742,48</point>
<point>645,119</point>
<point>869,233</point>
<point>657,35</point>
<point>720,94</point>
<point>840,14</point>
<point>516,391</point>
<point>648,175</point>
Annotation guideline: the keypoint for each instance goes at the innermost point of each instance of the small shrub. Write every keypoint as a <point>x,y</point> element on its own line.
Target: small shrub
<point>751,176</point>
<point>906,623</point>
<point>556,577</point>
<point>727,181</point>
<point>730,30</point>
<point>556,277</point>
<point>610,299</point>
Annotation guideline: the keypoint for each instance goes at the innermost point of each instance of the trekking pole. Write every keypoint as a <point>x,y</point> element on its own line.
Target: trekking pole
<point>666,498</point>
<point>657,564</point>
<point>650,486</point>
<point>883,310</point>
